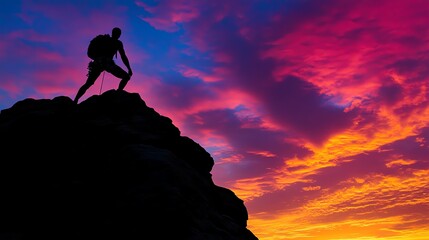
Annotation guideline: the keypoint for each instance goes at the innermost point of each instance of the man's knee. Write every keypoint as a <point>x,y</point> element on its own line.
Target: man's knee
<point>127,77</point>
<point>89,83</point>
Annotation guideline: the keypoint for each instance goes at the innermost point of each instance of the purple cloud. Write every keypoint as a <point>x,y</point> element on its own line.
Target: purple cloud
<point>262,150</point>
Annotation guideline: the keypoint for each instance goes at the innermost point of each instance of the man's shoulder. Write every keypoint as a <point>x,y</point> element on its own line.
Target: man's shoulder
<point>118,43</point>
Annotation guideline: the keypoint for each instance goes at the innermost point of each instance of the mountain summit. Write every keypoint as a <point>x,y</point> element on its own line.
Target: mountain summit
<point>108,168</point>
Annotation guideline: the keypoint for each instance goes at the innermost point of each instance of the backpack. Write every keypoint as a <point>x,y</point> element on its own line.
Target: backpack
<point>99,46</point>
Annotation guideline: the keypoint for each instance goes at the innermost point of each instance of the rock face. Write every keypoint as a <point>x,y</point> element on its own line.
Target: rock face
<point>108,168</point>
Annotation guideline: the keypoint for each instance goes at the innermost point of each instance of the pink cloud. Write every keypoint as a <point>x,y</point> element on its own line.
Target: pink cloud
<point>168,14</point>
<point>10,84</point>
<point>346,52</point>
<point>192,72</point>
<point>349,50</point>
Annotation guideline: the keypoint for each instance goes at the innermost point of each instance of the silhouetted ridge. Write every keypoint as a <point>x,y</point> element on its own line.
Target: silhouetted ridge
<point>108,168</point>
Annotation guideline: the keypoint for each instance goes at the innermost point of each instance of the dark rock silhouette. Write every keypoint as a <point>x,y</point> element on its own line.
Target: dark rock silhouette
<point>108,168</point>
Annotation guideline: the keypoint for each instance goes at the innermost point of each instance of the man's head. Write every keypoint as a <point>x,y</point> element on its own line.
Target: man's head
<point>116,33</point>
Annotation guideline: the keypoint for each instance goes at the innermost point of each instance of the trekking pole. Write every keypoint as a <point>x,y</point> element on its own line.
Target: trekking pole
<point>102,80</point>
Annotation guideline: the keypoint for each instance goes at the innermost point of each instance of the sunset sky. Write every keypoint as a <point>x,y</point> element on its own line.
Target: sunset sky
<point>315,111</point>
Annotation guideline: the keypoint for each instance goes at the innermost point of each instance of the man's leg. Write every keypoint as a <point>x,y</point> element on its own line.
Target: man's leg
<point>92,76</point>
<point>123,83</point>
<point>118,72</point>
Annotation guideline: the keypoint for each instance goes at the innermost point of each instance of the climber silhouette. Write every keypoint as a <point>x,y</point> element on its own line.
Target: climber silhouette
<point>103,61</point>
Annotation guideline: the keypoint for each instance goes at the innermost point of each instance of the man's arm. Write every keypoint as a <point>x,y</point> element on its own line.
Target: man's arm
<point>125,58</point>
